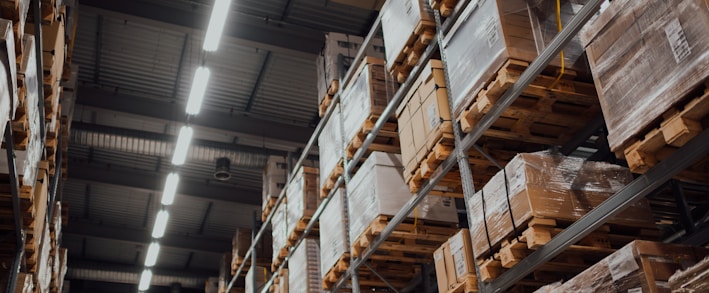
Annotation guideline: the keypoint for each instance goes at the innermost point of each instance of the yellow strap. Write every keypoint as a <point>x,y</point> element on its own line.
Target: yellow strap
<point>559,27</point>
<point>416,219</point>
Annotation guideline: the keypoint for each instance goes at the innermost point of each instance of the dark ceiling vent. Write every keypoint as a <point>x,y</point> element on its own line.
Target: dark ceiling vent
<point>222,172</point>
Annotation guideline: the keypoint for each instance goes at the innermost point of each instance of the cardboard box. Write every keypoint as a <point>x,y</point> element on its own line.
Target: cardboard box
<point>303,196</point>
<point>692,279</point>
<point>279,232</point>
<point>304,268</point>
<point>440,264</point>
<point>641,266</point>
<point>378,188</point>
<point>400,19</point>
<point>8,87</point>
<point>261,275</point>
<point>454,261</point>
<point>330,146</point>
<point>551,186</point>
<point>241,244</point>
<point>275,175</point>
<point>333,233</point>
<point>645,57</point>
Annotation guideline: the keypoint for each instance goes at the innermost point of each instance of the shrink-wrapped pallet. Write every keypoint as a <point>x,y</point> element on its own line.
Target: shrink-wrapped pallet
<point>279,230</point>
<point>241,243</point>
<point>378,188</point>
<point>488,33</point>
<point>338,55</point>
<point>646,56</point>
<point>692,279</point>
<point>303,198</point>
<point>549,186</point>
<point>454,263</point>
<point>333,232</point>
<point>274,177</point>
<point>304,268</point>
<point>260,275</point>
<point>8,78</point>
<point>330,148</point>
<point>400,20</point>
<point>641,266</point>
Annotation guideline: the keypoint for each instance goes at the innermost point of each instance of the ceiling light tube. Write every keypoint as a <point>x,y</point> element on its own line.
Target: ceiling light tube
<point>160,224</point>
<point>199,88</point>
<point>168,194</point>
<point>152,256</point>
<point>145,279</point>
<point>182,146</point>
<point>216,25</point>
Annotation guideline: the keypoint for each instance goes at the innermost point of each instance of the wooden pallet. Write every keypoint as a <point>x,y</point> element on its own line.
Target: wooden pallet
<point>540,115</point>
<point>238,260</point>
<point>413,241</point>
<point>574,259</point>
<point>444,6</point>
<point>329,183</point>
<point>269,207</point>
<point>469,285</point>
<point>329,96</point>
<point>397,274</point>
<point>409,57</point>
<point>282,253</point>
<point>334,274</point>
<point>678,126</point>
<point>299,229</point>
<point>387,140</point>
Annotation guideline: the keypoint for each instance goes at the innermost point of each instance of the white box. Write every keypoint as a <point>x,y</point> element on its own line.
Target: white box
<point>334,242</point>
<point>330,146</point>
<point>304,268</point>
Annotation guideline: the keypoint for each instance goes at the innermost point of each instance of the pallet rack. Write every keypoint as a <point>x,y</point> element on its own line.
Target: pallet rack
<point>636,190</point>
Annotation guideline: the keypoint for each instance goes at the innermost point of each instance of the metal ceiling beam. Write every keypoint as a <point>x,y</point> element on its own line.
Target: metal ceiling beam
<point>151,181</point>
<point>143,237</point>
<point>259,80</point>
<point>165,110</point>
<point>266,33</point>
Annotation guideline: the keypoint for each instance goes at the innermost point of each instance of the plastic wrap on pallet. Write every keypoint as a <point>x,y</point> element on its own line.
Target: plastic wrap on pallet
<point>9,100</point>
<point>640,266</point>
<point>547,185</point>
<point>333,232</point>
<point>543,16</point>
<point>262,275</point>
<point>330,146</point>
<point>28,68</point>
<point>278,230</point>
<point>275,175</point>
<point>44,268</point>
<point>24,283</point>
<point>367,95</point>
<point>399,21</point>
<point>645,57</point>
<point>692,279</point>
<point>378,188</point>
<point>337,56</point>
<point>304,268</point>
<point>486,35</point>
<point>303,196</point>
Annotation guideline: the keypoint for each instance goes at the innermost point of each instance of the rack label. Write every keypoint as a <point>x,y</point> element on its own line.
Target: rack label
<point>678,40</point>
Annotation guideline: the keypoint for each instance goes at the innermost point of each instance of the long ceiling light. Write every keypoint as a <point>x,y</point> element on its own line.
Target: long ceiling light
<point>168,194</point>
<point>160,224</point>
<point>199,88</point>
<point>216,25</point>
<point>183,144</point>
<point>152,256</point>
<point>145,279</point>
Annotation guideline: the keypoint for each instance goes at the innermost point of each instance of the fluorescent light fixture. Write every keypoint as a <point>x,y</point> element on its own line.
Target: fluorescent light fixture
<point>199,87</point>
<point>183,144</point>
<point>168,194</point>
<point>152,257</point>
<point>160,224</point>
<point>216,25</point>
<point>145,279</point>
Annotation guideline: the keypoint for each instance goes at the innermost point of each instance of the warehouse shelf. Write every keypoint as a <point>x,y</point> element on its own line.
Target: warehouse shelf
<point>636,190</point>
<point>16,210</point>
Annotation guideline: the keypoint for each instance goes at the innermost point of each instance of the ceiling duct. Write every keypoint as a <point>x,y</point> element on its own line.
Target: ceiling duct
<point>159,145</point>
<point>223,167</point>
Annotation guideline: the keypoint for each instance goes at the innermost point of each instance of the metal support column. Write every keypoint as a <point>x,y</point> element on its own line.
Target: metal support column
<point>16,210</point>
<point>37,8</point>
<point>254,254</point>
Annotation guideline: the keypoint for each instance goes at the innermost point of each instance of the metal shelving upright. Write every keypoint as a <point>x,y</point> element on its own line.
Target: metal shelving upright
<point>636,190</point>
<point>20,236</point>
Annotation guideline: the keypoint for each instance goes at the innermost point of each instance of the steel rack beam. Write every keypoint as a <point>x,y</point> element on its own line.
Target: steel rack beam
<point>40,69</point>
<point>16,211</point>
<point>633,192</point>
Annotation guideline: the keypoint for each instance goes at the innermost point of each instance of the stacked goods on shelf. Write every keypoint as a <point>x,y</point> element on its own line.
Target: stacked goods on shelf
<point>43,267</point>
<point>692,279</point>
<point>494,42</point>
<point>334,61</point>
<point>651,70</point>
<point>334,244</point>
<point>377,192</point>
<point>280,284</point>
<point>535,197</point>
<point>8,74</point>
<point>363,101</point>
<point>279,233</point>
<point>275,175</point>
<point>57,254</point>
<point>60,271</point>
<point>330,150</point>
<point>641,266</point>
<point>261,277</point>
<point>240,246</point>
<point>67,112</point>
<point>303,199</point>
<point>23,284</point>
<point>455,265</point>
<point>446,7</point>
<point>304,268</point>
<point>408,27</point>
<point>16,11</point>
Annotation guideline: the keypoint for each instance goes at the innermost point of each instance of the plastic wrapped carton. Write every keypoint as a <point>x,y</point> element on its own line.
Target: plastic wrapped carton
<point>337,56</point>
<point>241,244</point>
<point>278,231</point>
<point>544,185</point>
<point>31,155</point>
<point>262,275</point>
<point>400,19</point>
<point>488,33</point>
<point>8,88</point>
<point>303,197</point>
<point>304,268</point>
<point>378,188</point>
<point>330,147</point>
<point>274,176</point>
<point>645,57</point>
<point>640,266</point>
<point>454,262</point>
<point>692,279</point>
<point>333,232</point>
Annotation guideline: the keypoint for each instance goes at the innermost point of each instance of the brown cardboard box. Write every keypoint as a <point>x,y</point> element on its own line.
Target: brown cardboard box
<point>646,56</point>
<point>641,266</point>
<point>454,261</point>
<point>693,279</point>
<point>440,265</point>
